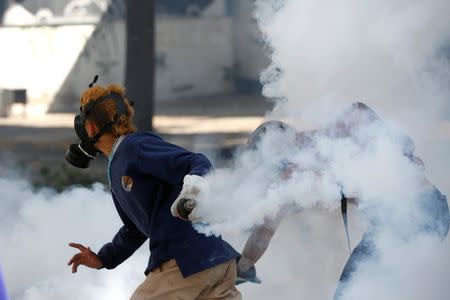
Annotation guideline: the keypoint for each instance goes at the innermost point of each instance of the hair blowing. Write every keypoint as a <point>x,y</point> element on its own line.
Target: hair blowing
<point>104,112</point>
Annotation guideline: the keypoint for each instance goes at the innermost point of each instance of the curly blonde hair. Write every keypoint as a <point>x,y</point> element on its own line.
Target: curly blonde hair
<point>104,112</point>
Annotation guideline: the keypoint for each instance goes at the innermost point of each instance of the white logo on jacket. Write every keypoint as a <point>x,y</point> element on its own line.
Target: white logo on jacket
<point>127,183</point>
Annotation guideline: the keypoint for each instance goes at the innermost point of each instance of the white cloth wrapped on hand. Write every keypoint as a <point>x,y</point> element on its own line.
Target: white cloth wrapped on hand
<point>193,185</point>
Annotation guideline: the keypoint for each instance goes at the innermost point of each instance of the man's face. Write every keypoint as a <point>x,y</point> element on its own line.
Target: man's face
<point>91,128</point>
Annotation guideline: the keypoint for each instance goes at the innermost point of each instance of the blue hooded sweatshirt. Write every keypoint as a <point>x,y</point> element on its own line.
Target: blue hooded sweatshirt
<point>146,176</point>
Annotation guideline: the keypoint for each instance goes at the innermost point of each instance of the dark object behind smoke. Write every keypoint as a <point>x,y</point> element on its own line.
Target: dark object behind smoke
<point>139,71</point>
<point>258,133</point>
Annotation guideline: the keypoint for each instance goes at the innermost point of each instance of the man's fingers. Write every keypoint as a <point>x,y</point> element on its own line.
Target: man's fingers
<point>75,261</point>
<point>75,266</point>
<point>78,246</point>
<point>74,258</point>
<point>80,260</point>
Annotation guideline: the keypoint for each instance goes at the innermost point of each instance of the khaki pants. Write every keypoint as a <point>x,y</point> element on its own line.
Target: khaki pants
<point>167,283</point>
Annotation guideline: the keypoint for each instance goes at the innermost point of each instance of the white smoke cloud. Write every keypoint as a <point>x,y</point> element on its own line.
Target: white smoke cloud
<point>325,55</point>
<point>416,270</point>
<point>35,229</point>
<point>242,196</point>
<point>388,54</point>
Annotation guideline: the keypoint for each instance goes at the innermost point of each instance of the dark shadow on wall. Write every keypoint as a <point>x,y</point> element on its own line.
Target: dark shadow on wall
<point>3,4</point>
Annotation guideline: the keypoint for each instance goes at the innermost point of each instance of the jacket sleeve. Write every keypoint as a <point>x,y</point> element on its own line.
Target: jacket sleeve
<point>126,241</point>
<point>169,162</point>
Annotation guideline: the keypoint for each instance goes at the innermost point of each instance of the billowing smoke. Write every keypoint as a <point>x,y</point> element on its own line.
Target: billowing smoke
<point>389,54</point>
<point>35,229</point>
<point>323,167</point>
<point>393,56</point>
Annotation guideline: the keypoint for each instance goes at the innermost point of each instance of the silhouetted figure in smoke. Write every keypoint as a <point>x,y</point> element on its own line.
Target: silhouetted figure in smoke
<point>432,203</point>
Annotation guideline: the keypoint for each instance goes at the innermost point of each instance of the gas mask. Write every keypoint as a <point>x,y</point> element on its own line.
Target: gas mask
<point>79,155</point>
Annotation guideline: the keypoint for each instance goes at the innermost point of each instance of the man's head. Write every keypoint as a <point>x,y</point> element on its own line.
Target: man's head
<point>257,135</point>
<point>105,113</point>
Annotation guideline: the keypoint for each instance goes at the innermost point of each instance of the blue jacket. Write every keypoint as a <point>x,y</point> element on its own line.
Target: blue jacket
<point>146,175</point>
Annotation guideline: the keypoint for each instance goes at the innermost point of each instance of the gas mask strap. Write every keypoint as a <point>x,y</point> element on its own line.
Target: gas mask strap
<point>102,131</point>
<point>121,110</point>
<point>117,98</point>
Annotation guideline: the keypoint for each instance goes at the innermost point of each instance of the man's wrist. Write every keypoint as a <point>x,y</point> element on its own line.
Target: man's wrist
<point>244,264</point>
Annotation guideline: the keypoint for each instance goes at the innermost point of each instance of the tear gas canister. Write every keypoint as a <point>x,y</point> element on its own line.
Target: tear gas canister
<point>185,207</point>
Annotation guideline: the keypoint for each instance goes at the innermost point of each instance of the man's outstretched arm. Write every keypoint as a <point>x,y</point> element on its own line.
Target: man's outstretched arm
<point>258,242</point>
<point>126,241</point>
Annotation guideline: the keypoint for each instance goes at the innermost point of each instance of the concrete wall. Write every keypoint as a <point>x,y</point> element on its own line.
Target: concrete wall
<point>117,7</point>
<point>194,56</point>
<point>39,59</point>
<point>214,54</point>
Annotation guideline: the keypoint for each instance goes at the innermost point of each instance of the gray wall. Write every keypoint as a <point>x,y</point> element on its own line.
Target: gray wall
<point>218,53</point>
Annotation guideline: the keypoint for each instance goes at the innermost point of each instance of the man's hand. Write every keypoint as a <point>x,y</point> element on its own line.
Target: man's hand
<point>86,257</point>
<point>248,275</point>
<point>192,186</point>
